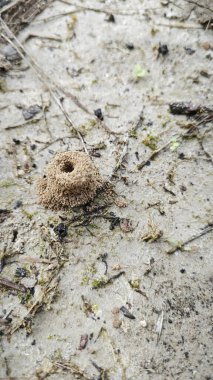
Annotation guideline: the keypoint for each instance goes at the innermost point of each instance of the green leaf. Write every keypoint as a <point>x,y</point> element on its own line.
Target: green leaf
<point>174,144</point>
<point>138,71</point>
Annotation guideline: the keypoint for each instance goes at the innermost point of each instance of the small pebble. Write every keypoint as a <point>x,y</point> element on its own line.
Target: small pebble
<point>116,323</point>
<point>126,225</point>
<point>61,230</point>
<point>206,45</point>
<point>181,156</point>
<point>130,46</point>
<point>30,112</point>
<point>183,188</point>
<point>17,204</point>
<point>28,282</point>
<point>163,49</point>
<point>143,323</point>
<point>115,310</point>
<point>16,141</point>
<point>189,51</point>
<point>98,113</point>
<point>21,272</point>
<point>110,18</point>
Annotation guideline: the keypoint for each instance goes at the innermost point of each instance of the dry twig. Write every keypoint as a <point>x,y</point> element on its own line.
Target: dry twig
<point>122,157</point>
<point>12,285</point>
<point>181,245</point>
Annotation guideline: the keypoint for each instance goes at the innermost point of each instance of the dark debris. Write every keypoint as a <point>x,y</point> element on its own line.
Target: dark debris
<point>21,272</point>
<point>17,204</point>
<point>189,51</point>
<point>83,342</point>
<point>129,46</point>
<point>127,313</point>
<point>187,108</point>
<point>61,230</point>
<point>4,214</point>
<point>110,18</point>
<point>98,113</point>
<point>163,49</point>
<point>30,112</point>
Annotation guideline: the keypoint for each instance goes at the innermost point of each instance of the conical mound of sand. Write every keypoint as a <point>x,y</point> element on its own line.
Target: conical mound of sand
<point>72,180</point>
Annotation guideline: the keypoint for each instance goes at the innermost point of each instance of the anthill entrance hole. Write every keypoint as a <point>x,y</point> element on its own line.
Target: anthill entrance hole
<point>67,167</point>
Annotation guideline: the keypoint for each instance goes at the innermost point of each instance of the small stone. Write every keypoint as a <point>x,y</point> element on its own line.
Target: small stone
<point>98,113</point>
<point>189,51</point>
<point>30,112</point>
<point>120,202</point>
<point>83,342</point>
<point>16,141</point>
<point>163,49</point>
<point>183,188</point>
<point>117,267</point>
<point>110,18</point>
<point>143,323</point>
<point>11,54</point>
<point>130,46</point>
<point>61,230</point>
<point>116,323</point>
<point>21,272</point>
<point>126,225</point>
<point>28,282</point>
<point>206,45</point>
<point>115,310</point>
<point>17,204</point>
<point>181,156</point>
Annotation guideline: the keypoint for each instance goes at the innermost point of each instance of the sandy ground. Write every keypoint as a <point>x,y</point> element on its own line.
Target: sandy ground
<point>171,197</point>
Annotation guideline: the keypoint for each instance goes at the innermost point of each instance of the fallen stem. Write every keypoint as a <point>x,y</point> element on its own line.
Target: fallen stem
<point>180,246</point>
<point>153,154</point>
<point>12,285</point>
<point>179,25</point>
<point>122,157</point>
<point>157,151</point>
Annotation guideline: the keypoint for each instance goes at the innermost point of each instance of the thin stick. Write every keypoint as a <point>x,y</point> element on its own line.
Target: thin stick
<point>179,25</point>
<point>68,119</point>
<point>54,17</point>
<point>108,130</point>
<point>181,246</point>
<point>157,151</point>
<point>199,5</point>
<point>122,156</point>
<point>34,120</point>
<point>41,75</point>
<point>12,285</point>
<point>101,10</point>
<point>34,35</point>
<point>153,154</point>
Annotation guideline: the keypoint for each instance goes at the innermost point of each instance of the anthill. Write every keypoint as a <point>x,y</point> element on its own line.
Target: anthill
<point>72,180</point>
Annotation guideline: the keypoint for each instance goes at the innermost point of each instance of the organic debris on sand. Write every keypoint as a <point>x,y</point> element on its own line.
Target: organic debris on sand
<point>72,180</point>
